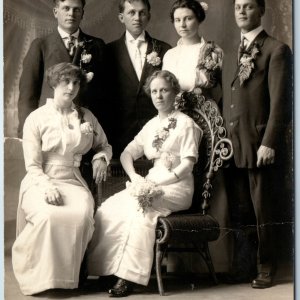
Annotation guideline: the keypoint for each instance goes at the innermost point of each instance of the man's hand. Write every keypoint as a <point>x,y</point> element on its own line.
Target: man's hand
<point>265,156</point>
<point>53,197</point>
<point>99,170</point>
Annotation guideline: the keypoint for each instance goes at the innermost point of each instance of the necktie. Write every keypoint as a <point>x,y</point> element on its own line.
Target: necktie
<point>71,45</point>
<point>138,63</point>
<point>242,48</point>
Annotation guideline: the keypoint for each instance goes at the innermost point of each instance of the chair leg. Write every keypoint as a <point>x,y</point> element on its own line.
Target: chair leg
<point>204,250</point>
<point>159,254</point>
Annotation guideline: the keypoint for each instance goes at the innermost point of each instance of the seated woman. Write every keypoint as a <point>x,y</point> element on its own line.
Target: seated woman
<point>122,244</point>
<point>55,215</point>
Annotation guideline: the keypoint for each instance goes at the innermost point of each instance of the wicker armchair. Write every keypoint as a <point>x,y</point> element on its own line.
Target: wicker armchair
<point>195,227</point>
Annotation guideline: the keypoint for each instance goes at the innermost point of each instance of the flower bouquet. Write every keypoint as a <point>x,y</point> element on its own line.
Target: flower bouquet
<point>145,191</point>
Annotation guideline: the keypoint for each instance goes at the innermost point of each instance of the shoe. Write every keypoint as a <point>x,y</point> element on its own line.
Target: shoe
<point>262,281</point>
<point>122,288</point>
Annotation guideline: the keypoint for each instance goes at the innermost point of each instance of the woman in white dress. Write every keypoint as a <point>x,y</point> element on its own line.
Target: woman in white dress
<point>122,244</point>
<point>195,62</point>
<point>55,214</point>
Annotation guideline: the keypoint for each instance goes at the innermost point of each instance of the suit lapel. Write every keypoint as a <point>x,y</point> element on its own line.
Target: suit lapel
<point>259,40</point>
<point>58,47</point>
<point>233,61</point>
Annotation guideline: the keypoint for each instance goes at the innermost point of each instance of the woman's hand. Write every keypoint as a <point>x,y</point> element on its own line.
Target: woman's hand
<point>53,197</point>
<point>99,170</point>
<point>135,177</point>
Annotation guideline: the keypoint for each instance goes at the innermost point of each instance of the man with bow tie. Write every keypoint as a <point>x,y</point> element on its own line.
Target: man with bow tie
<point>132,58</point>
<point>66,44</point>
<point>257,106</point>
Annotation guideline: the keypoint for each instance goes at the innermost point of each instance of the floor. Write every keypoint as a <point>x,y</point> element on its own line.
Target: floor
<point>177,288</point>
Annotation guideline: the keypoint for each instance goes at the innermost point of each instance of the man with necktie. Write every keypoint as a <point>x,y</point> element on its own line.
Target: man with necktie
<point>257,106</point>
<point>66,44</point>
<point>132,58</point>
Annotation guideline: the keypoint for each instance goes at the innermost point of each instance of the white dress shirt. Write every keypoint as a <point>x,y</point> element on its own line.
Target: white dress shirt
<point>251,35</point>
<point>65,36</point>
<point>131,43</point>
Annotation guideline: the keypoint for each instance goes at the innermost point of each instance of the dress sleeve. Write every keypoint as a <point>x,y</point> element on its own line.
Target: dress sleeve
<point>190,140</point>
<point>136,146</point>
<point>100,143</point>
<point>32,149</point>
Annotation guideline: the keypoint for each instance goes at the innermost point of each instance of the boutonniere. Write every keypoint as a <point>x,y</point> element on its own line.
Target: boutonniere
<point>85,127</point>
<point>153,58</point>
<point>163,133</point>
<point>247,64</point>
<point>85,58</point>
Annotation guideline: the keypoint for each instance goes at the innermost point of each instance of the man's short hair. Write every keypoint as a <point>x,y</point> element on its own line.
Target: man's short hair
<point>261,3</point>
<point>56,2</point>
<point>122,4</point>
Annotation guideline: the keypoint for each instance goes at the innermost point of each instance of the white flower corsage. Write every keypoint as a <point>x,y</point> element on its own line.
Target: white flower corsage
<point>168,160</point>
<point>153,59</point>
<point>89,76</point>
<point>86,128</point>
<point>85,57</point>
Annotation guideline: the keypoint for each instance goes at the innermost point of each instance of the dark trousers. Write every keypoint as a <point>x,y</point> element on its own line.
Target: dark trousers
<point>253,195</point>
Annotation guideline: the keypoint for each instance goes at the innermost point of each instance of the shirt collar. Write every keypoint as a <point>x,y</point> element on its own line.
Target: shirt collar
<point>64,34</point>
<point>130,38</point>
<point>251,35</point>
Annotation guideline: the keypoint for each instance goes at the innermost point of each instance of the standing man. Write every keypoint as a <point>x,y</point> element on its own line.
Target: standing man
<point>133,57</point>
<point>66,44</point>
<point>257,107</point>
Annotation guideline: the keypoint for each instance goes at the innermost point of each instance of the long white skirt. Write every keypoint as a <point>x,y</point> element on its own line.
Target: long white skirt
<point>49,251</point>
<point>124,237</point>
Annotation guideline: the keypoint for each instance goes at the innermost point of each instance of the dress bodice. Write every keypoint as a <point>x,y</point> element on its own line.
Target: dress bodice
<point>194,65</point>
<point>176,143</point>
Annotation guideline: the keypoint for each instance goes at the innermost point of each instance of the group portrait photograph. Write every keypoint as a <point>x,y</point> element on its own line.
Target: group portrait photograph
<point>149,149</point>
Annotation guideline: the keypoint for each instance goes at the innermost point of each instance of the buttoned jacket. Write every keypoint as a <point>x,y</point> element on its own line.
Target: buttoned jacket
<point>257,112</point>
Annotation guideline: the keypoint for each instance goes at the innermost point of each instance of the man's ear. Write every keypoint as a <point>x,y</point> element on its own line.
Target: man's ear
<point>149,16</point>
<point>82,14</point>
<point>262,11</point>
<point>55,11</point>
<point>121,17</point>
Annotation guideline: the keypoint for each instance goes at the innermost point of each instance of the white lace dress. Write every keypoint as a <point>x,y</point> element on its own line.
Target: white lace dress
<point>51,240</point>
<point>124,237</point>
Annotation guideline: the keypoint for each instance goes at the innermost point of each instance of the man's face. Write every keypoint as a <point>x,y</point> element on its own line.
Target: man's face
<point>135,17</point>
<point>69,15</point>
<point>247,14</point>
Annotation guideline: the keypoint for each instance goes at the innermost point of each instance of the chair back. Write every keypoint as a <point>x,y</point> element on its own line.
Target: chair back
<point>214,148</point>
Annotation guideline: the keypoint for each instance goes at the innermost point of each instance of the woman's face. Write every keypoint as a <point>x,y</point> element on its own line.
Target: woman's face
<point>186,23</point>
<point>66,91</point>
<point>162,95</point>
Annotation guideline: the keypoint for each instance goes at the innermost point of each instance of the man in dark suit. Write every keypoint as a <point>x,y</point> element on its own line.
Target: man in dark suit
<point>133,57</point>
<point>66,44</point>
<point>257,107</point>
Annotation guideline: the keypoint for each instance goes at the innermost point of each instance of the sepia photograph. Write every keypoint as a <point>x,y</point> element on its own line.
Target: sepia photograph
<point>149,149</point>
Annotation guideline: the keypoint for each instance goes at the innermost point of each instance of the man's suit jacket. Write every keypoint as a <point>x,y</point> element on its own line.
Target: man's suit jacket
<point>257,112</point>
<point>131,107</point>
<point>48,51</point>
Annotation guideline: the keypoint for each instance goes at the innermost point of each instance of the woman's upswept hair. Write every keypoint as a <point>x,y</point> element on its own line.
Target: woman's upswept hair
<point>61,71</point>
<point>122,4</point>
<point>56,2</point>
<point>193,5</point>
<point>168,76</point>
